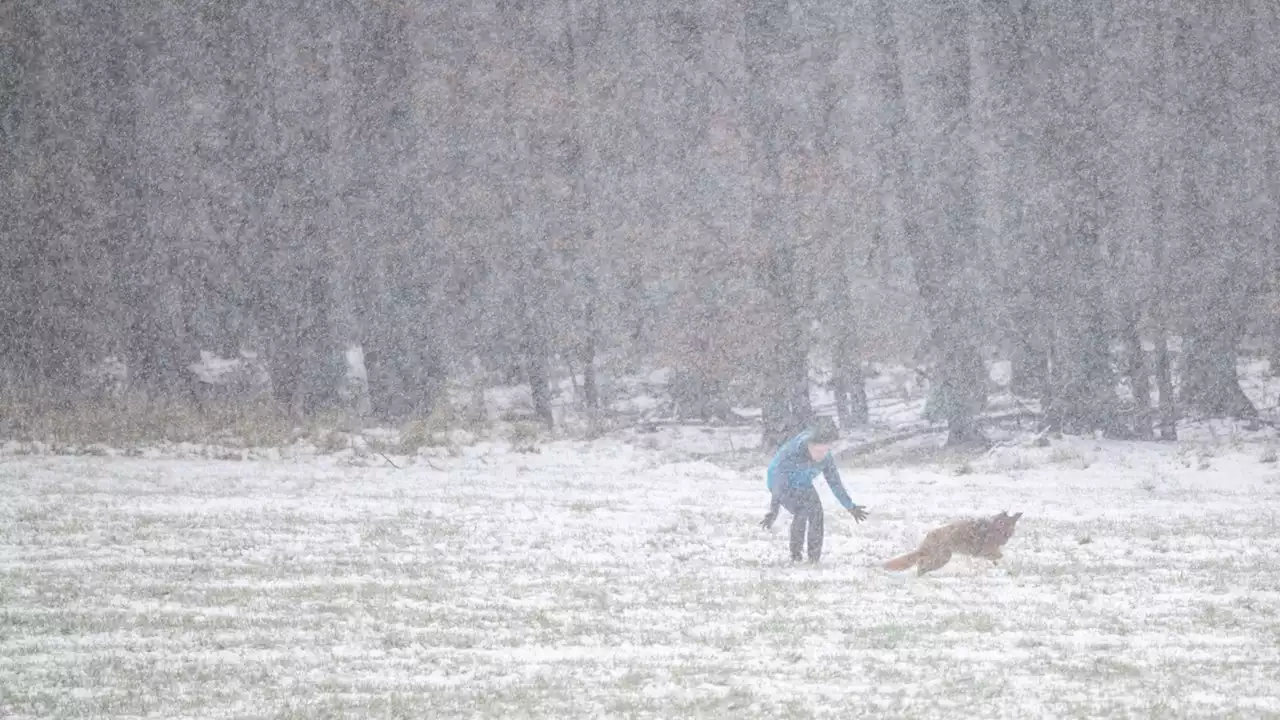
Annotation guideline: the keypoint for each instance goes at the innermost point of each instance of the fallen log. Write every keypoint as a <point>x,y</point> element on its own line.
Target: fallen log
<point>871,446</point>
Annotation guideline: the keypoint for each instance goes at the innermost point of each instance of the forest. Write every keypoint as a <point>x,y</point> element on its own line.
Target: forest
<point>376,199</point>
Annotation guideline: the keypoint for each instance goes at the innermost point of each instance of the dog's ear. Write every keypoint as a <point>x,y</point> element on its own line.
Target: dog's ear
<point>1017,515</point>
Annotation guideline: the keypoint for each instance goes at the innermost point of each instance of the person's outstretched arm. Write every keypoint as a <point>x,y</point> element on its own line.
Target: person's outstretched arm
<point>832,474</point>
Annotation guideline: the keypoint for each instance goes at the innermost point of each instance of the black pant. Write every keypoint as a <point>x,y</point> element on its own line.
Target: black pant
<point>806,513</point>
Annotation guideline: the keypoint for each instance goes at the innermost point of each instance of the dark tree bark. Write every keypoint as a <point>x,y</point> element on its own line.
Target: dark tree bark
<point>536,368</point>
<point>785,371</point>
<point>157,354</point>
<point>1139,374</point>
<point>1272,179</point>
<point>1029,362</point>
<point>157,338</point>
<point>1209,380</point>
<point>527,205</point>
<point>959,385</point>
<point>1168,419</point>
<point>787,405</point>
<point>1159,299</point>
<point>945,236</point>
<point>848,383</point>
<point>1164,386</point>
<point>535,342</point>
<point>584,288</point>
<point>590,386</point>
<point>1273,280</point>
<point>1083,386</point>
<point>1216,284</point>
<point>1017,88</point>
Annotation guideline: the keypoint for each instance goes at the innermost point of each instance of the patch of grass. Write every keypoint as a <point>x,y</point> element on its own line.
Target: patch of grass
<point>415,435</point>
<point>95,424</point>
<point>587,506</point>
<point>333,441</point>
<point>634,679</point>
<point>973,622</point>
<point>1116,667</point>
<point>1154,480</point>
<point>1198,456</point>
<point>1070,457</point>
<point>396,639</point>
<point>433,431</point>
<point>1215,616</point>
<point>884,637</point>
<point>525,436</point>
<point>350,701</point>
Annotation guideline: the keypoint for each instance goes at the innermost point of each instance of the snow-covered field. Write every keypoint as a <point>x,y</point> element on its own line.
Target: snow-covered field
<point>610,580</point>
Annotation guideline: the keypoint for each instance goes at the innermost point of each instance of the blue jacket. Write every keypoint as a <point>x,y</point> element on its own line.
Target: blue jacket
<point>792,468</point>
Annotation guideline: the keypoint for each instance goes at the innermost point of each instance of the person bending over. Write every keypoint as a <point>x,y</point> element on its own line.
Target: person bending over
<point>790,482</point>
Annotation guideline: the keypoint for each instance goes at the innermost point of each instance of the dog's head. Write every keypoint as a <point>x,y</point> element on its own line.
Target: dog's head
<point>1002,526</point>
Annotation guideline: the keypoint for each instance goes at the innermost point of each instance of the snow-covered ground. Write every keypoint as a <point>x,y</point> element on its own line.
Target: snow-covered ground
<point>613,579</point>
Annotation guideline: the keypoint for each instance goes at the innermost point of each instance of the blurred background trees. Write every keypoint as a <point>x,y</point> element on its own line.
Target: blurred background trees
<point>377,198</point>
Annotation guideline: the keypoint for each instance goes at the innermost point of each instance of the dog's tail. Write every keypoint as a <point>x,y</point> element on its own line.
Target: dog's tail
<point>902,562</point>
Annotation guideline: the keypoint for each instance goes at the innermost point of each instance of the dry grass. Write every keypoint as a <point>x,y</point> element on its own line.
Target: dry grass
<point>137,419</point>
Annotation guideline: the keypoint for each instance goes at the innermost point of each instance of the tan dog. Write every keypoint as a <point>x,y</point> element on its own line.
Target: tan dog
<point>978,537</point>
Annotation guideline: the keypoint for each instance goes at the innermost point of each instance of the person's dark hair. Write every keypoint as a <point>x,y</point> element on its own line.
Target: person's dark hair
<point>823,430</point>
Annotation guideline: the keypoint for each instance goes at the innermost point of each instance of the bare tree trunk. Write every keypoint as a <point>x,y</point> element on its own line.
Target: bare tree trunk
<point>1029,364</point>
<point>1164,386</point>
<point>785,372</point>
<point>540,384</point>
<point>582,249</point>
<point>590,386</point>
<point>1218,298</point>
<point>934,66</point>
<point>787,404</point>
<point>286,363</point>
<point>1272,220</point>
<point>859,408</point>
<point>1209,380</point>
<point>848,383</point>
<point>959,388</point>
<point>1159,309</point>
<point>527,204</point>
<point>1084,391</point>
<point>1273,249</point>
<point>1013,86</point>
<point>1273,348</point>
<point>1158,298</point>
<point>353,383</point>
<point>535,339</point>
<point>840,389</point>
<point>1139,376</point>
